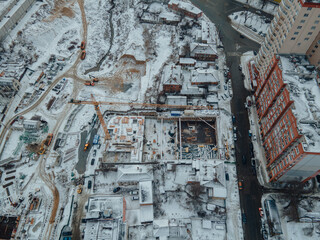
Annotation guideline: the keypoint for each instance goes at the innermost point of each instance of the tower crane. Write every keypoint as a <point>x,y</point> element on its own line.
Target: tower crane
<point>189,107</point>
<point>103,124</point>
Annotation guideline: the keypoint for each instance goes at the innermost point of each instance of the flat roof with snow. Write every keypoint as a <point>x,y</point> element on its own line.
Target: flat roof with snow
<point>209,76</point>
<point>186,6</point>
<point>145,193</point>
<point>300,78</point>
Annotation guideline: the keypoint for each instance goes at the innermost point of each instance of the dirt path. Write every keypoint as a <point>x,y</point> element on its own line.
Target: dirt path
<point>78,215</point>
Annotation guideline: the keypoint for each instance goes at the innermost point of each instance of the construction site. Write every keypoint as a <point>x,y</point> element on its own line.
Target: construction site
<point>108,133</point>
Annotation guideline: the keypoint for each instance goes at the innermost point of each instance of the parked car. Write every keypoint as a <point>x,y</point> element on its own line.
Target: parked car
<point>261,212</point>
<point>240,184</point>
<point>89,184</point>
<point>233,119</point>
<point>234,129</point>
<point>92,161</point>
<point>117,189</point>
<point>253,162</point>
<point>135,198</point>
<point>235,137</point>
<point>244,218</point>
<point>227,176</point>
<point>134,192</point>
<point>94,152</point>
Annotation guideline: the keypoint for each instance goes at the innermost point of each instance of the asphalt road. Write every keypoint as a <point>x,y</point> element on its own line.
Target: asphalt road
<point>250,196</point>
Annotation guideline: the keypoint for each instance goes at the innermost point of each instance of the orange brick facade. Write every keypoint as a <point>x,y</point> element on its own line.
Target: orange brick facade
<point>280,133</point>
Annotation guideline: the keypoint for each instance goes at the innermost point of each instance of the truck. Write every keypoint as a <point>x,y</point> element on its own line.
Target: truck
<point>96,139</point>
<point>86,146</point>
<point>88,83</point>
<point>175,113</point>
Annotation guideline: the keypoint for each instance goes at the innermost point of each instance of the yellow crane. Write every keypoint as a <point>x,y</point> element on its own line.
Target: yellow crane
<point>103,124</point>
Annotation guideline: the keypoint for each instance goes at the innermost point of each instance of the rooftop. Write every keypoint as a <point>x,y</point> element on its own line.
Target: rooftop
<point>209,76</point>
<point>134,173</point>
<point>172,75</point>
<point>311,1</point>
<point>202,48</point>
<point>300,78</point>
<point>186,6</point>
<point>145,193</point>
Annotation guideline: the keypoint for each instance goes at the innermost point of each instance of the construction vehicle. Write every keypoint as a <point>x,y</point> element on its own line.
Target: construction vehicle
<point>86,146</point>
<point>83,45</point>
<point>88,83</point>
<point>79,190</point>
<point>83,55</point>
<point>45,144</point>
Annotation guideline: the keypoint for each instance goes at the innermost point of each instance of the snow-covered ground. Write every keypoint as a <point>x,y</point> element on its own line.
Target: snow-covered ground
<point>265,6</point>
<point>47,40</point>
<point>250,24</point>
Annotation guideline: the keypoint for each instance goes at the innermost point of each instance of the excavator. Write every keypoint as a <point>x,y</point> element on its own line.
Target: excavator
<point>79,190</point>
<point>45,144</point>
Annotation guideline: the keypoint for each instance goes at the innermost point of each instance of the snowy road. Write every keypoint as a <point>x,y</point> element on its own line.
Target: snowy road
<point>250,197</point>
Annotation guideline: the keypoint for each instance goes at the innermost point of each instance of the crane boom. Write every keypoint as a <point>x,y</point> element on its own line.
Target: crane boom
<point>190,107</point>
<point>103,124</point>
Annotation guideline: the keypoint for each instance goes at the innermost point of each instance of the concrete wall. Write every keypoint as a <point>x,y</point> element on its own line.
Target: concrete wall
<point>16,14</point>
<point>313,52</point>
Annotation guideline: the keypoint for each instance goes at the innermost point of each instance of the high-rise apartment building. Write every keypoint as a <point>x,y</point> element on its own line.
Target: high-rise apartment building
<point>288,107</point>
<point>313,52</point>
<point>293,30</point>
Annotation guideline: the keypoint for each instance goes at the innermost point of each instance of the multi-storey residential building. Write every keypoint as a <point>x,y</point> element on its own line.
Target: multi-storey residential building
<point>293,30</point>
<point>288,107</point>
<point>313,52</point>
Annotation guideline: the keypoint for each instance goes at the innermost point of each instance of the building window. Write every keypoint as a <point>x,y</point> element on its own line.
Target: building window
<point>313,51</point>
<point>299,27</point>
<point>306,15</point>
<point>306,39</point>
<point>316,46</point>
<point>302,21</point>
<point>296,33</point>
<point>309,8</point>
<point>293,38</point>
<point>316,22</point>
<point>309,33</point>
<point>313,27</point>
<point>299,43</point>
